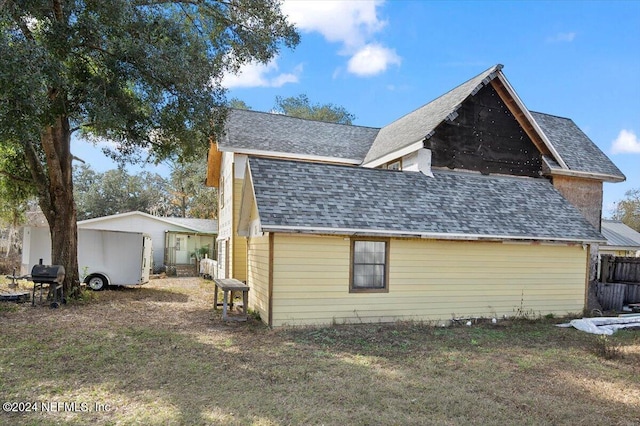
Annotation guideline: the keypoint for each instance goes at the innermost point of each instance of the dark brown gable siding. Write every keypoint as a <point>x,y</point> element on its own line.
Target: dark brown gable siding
<point>485,137</point>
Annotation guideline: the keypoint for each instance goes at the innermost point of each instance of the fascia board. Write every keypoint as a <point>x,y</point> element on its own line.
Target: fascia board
<point>290,156</point>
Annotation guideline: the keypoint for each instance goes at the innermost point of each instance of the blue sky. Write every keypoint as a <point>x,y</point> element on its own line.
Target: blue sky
<point>381,60</point>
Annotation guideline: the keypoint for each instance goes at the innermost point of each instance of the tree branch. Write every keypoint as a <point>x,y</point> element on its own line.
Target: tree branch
<point>38,174</point>
<point>14,177</point>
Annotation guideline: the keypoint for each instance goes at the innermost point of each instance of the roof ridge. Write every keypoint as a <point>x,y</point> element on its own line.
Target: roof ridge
<point>497,67</point>
<point>429,116</point>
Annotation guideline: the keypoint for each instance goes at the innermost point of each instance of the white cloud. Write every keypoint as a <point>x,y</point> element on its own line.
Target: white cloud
<point>349,22</point>
<point>626,142</point>
<point>372,59</point>
<point>256,74</point>
<point>562,38</point>
<point>353,24</point>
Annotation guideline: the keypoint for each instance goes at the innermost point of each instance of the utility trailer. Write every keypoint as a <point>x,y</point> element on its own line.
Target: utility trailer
<point>104,257</point>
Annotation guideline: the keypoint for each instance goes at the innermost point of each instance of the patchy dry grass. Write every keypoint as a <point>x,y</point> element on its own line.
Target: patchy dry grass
<point>160,355</point>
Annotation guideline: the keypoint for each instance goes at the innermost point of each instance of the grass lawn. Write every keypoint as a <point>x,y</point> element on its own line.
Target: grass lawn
<point>160,355</point>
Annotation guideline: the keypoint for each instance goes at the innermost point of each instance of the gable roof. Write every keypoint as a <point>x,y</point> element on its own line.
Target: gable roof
<point>419,124</point>
<point>579,152</point>
<point>294,196</point>
<point>565,148</point>
<point>620,235</point>
<point>254,132</point>
<point>206,226</point>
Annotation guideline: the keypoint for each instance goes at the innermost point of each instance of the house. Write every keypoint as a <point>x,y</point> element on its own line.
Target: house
<point>621,239</point>
<point>174,239</point>
<point>470,206</point>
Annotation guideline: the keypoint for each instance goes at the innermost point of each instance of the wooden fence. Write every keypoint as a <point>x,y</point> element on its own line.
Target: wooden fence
<point>620,269</point>
<point>619,282</point>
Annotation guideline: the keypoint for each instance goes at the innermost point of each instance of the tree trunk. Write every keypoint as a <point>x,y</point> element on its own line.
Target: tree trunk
<point>55,195</point>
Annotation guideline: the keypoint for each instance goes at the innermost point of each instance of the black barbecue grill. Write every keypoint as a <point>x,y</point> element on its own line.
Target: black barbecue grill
<point>51,276</point>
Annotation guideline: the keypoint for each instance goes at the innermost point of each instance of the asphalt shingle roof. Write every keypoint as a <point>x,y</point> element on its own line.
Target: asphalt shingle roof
<point>575,148</point>
<point>277,133</point>
<point>620,235</point>
<point>313,196</point>
<point>416,125</point>
<point>280,134</point>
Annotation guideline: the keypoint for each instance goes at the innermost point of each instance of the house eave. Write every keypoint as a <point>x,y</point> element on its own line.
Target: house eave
<point>424,235</point>
<point>619,248</point>
<point>588,175</point>
<point>290,156</point>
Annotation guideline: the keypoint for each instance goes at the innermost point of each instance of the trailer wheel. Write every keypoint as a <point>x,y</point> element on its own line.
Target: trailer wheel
<point>96,282</point>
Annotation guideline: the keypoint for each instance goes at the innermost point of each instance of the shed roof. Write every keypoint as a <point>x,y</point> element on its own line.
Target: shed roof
<point>574,146</point>
<point>275,133</point>
<point>294,196</point>
<point>206,226</point>
<point>620,235</point>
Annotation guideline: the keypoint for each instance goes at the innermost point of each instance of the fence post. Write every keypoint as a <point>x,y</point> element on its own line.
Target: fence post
<point>605,263</point>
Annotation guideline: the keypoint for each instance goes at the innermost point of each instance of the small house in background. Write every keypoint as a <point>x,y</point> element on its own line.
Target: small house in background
<point>177,242</point>
<point>621,239</point>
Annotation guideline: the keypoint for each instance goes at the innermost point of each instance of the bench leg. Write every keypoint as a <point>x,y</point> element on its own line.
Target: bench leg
<point>245,300</point>
<point>224,304</point>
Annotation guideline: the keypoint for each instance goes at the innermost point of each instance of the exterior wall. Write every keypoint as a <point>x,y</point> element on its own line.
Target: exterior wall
<point>584,194</point>
<point>155,228</point>
<point>428,280</point>
<point>485,136</point>
<point>258,275</point>
<point>232,178</point>
<point>225,215</point>
<point>239,243</point>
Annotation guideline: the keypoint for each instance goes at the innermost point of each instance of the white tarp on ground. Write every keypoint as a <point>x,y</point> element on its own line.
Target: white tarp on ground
<point>603,325</point>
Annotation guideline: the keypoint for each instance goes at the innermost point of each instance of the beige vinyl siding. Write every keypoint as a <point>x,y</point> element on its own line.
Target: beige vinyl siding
<point>428,280</point>
<point>239,246</point>
<point>258,275</point>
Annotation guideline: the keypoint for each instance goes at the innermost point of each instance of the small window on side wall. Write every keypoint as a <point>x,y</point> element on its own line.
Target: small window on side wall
<point>396,165</point>
<point>369,266</point>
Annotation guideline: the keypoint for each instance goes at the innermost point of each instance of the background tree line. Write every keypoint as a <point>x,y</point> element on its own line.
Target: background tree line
<point>182,194</point>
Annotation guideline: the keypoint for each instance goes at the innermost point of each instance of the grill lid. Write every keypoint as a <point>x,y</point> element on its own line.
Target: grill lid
<point>47,273</point>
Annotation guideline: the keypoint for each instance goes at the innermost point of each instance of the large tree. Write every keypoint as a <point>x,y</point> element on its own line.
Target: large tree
<point>628,210</point>
<point>300,106</point>
<point>189,193</point>
<point>144,74</point>
<point>15,192</point>
<point>116,191</point>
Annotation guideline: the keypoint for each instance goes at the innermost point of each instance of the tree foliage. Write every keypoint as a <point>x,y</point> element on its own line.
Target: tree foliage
<point>300,106</point>
<point>144,74</point>
<point>628,210</point>
<point>116,191</point>
<point>189,193</point>
<point>238,104</point>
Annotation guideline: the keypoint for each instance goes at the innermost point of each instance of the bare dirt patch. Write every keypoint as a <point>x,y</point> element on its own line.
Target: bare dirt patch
<point>159,354</point>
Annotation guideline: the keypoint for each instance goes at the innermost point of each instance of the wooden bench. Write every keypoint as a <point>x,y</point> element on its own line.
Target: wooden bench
<point>229,285</point>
